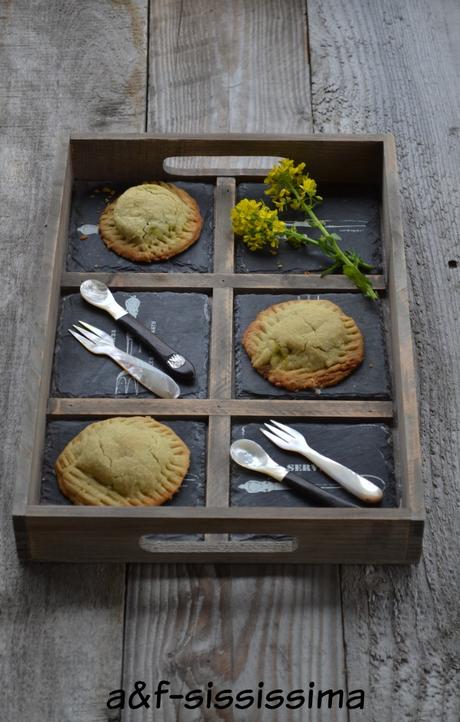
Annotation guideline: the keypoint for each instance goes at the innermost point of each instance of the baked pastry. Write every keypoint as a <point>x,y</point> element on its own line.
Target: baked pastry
<point>151,222</point>
<point>304,344</point>
<point>123,461</point>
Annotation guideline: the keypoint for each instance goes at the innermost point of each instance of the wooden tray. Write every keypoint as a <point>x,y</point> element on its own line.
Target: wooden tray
<point>216,526</point>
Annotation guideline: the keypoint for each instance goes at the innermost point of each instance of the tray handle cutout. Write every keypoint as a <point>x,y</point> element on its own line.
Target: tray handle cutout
<point>249,546</point>
<point>213,165</point>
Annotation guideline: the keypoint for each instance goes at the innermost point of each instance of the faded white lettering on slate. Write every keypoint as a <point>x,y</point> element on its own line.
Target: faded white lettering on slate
<point>124,383</point>
<point>348,225</point>
<point>124,380</point>
<point>88,229</point>
<point>206,310</point>
<point>256,486</point>
<point>301,467</point>
<point>132,305</point>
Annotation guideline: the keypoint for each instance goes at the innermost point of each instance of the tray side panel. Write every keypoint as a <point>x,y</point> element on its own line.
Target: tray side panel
<point>27,486</point>
<point>403,359</point>
<point>352,541</point>
<point>358,157</point>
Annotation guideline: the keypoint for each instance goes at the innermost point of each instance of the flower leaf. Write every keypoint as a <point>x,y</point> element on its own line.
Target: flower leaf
<point>331,269</point>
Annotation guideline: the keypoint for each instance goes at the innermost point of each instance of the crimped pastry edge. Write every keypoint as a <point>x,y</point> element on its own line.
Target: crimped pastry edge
<point>116,242</point>
<point>67,458</point>
<point>298,380</point>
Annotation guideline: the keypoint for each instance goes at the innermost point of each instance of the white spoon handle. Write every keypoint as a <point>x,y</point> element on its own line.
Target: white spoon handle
<point>350,480</point>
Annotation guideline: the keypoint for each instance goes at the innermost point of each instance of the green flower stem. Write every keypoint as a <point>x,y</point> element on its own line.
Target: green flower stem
<point>336,253</point>
<point>304,239</point>
<point>317,224</point>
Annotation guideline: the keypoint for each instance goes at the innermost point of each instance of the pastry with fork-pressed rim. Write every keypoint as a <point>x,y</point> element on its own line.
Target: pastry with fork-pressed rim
<point>304,344</point>
<point>123,461</point>
<point>151,222</point>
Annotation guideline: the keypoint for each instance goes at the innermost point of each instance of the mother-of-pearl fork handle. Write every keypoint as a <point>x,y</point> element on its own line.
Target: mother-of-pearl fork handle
<point>350,480</point>
<point>152,378</point>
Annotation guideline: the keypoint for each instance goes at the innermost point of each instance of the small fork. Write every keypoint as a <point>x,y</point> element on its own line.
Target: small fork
<point>102,344</point>
<point>291,440</point>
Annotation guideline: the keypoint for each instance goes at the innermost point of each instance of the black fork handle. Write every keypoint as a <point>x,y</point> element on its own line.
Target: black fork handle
<point>159,348</point>
<point>314,492</point>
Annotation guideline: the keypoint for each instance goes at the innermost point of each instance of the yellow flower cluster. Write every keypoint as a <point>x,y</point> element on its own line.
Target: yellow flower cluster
<point>258,225</point>
<point>289,186</point>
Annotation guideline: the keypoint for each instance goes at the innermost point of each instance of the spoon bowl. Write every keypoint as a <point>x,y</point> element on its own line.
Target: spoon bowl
<point>250,454</point>
<point>98,294</point>
<point>94,291</point>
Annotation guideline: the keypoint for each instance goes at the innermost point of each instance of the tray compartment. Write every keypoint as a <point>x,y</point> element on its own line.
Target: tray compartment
<point>365,448</point>
<point>173,316</point>
<point>91,253</point>
<point>371,380</point>
<point>352,211</point>
<point>191,492</point>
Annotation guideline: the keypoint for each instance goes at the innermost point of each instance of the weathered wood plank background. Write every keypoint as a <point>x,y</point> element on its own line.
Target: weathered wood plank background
<point>63,65</point>
<point>70,634</point>
<point>394,66</point>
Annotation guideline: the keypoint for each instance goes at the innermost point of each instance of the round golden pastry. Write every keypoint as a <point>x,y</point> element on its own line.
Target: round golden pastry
<point>304,344</point>
<point>151,222</point>
<point>123,461</point>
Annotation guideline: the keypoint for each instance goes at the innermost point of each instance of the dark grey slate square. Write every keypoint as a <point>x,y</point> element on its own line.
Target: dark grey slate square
<point>365,448</point>
<point>181,319</point>
<point>93,255</point>
<point>351,212</point>
<point>193,433</point>
<point>370,380</point>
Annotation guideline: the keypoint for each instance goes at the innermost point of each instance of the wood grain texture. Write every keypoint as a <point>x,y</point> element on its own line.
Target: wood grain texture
<point>393,67</point>
<point>237,66</point>
<point>224,200</point>
<point>321,536</point>
<point>218,461</point>
<point>238,281</point>
<point>64,65</point>
<point>233,626</point>
<point>408,456</point>
<point>108,155</point>
<point>189,408</point>
<point>224,67</point>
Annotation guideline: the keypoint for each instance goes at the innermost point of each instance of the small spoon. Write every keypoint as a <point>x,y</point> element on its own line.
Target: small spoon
<point>251,455</point>
<point>98,294</point>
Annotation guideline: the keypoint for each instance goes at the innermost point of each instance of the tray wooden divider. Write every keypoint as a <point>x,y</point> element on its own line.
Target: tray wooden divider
<point>221,355</point>
<point>316,535</point>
